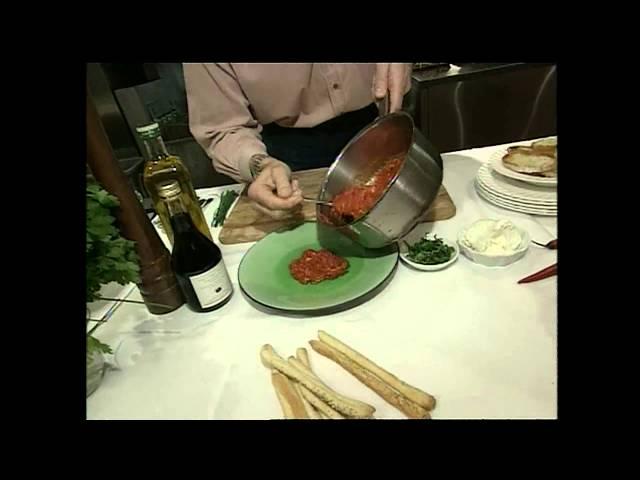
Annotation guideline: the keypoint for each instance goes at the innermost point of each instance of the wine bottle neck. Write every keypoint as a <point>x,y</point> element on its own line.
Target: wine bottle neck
<point>181,223</point>
<point>175,206</point>
<point>155,148</point>
<point>180,218</point>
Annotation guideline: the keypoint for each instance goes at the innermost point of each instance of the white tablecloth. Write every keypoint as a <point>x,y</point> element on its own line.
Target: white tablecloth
<point>484,346</point>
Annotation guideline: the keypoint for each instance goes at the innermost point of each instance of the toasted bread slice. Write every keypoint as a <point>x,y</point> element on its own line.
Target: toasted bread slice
<point>549,151</point>
<point>546,147</point>
<point>528,160</point>
<point>547,142</point>
<point>549,174</point>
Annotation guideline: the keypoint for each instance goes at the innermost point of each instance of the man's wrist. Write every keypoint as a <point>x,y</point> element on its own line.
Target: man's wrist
<point>258,162</point>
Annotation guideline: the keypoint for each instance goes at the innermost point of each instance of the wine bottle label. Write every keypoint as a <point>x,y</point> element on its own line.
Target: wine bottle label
<point>212,286</point>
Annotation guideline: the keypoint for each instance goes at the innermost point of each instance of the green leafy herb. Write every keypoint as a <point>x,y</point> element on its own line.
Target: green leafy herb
<point>94,345</point>
<point>109,256</point>
<point>226,200</point>
<point>430,252</point>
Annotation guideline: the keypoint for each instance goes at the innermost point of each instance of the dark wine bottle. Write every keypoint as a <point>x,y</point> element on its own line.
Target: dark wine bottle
<point>196,260</point>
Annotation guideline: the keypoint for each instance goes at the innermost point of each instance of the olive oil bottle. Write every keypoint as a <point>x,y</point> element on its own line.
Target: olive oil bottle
<point>162,167</point>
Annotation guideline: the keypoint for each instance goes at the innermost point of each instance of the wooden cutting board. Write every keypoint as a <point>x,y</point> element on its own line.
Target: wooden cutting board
<point>247,223</point>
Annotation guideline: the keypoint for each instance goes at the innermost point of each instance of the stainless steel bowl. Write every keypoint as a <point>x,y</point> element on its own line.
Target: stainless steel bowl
<point>407,197</point>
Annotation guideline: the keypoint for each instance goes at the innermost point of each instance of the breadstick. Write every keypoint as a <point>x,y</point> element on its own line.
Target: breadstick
<point>412,393</point>
<point>290,402</point>
<point>323,408</point>
<point>303,356</point>
<point>311,412</point>
<point>300,366</point>
<point>286,408</point>
<point>304,369</point>
<point>395,398</point>
<point>314,400</point>
<point>353,408</point>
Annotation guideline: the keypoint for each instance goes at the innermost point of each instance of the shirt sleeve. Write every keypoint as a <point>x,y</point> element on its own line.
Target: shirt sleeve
<point>220,119</point>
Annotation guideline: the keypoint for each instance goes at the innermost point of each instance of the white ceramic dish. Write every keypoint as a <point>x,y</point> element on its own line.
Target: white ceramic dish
<point>552,203</point>
<point>515,190</point>
<point>515,202</point>
<point>432,268</point>
<point>495,260</point>
<point>516,207</point>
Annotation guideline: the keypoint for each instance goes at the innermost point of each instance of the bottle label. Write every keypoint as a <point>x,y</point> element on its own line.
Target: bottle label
<point>212,286</point>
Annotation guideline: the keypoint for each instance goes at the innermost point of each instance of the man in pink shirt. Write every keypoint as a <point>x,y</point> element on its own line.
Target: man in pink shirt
<point>258,122</point>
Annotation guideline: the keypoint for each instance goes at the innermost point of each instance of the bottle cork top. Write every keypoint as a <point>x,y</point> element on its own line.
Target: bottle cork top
<point>149,131</point>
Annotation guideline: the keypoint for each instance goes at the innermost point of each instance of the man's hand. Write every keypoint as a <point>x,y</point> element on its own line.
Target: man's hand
<point>392,77</point>
<point>273,187</point>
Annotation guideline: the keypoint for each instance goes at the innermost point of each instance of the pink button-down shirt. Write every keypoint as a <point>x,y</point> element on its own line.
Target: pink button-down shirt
<point>228,103</point>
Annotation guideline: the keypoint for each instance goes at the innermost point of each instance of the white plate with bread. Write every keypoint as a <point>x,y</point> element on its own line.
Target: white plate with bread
<point>535,164</point>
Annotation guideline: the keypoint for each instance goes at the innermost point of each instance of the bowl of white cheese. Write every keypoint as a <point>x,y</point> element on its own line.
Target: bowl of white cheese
<point>494,242</point>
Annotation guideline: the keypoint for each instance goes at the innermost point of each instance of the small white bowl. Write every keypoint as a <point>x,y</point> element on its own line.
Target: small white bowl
<point>495,260</point>
<point>432,268</point>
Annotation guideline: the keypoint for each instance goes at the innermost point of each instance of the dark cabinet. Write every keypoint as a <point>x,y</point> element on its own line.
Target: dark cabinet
<point>493,108</point>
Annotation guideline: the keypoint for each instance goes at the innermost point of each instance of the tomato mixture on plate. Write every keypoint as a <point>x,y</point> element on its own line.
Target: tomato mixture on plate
<point>317,265</point>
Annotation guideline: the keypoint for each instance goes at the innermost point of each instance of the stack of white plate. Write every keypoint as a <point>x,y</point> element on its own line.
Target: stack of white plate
<point>515,191</point>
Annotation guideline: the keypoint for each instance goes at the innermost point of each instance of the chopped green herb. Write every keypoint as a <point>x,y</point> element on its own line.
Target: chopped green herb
<point>429,252</point>
<point>226,200</point>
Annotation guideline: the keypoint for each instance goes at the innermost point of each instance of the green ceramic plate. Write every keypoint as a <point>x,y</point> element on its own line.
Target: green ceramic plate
<point>265,279</point>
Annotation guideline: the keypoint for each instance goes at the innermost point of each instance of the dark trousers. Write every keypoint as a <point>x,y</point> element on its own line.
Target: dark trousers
<point>315,147</point>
